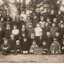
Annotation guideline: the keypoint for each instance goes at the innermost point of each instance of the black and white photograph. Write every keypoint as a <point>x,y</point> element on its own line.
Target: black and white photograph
<point>31,31</point>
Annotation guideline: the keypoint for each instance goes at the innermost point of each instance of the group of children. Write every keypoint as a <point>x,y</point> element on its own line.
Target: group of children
<point>22,36</point>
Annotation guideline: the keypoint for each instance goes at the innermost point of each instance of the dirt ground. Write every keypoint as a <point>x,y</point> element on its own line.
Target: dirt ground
<point>29,58</point>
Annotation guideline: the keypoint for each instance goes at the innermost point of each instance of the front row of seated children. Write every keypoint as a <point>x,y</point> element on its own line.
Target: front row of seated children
<point>16,47</point>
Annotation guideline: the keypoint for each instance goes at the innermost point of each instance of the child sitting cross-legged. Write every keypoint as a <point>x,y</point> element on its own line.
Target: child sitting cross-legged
<point>17,47</point>
<point>45,47</point>
<point>34,45</point>
<point>55,47</point>
<point>5,47</point>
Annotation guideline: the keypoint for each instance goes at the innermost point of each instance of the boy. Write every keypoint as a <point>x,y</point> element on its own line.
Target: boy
<point>17,47</point>
<point>42,22</point>
<point>32,47</point>
<point>55,47</point>
<point>37,30</point>
<point>5,47</point>
<point>30,30</point>
<point>25,46</point>
<point>12,42</point>
<point>48,39</point>
<point>15,32</point>
<point>8,31</point>
<point>45,47</point>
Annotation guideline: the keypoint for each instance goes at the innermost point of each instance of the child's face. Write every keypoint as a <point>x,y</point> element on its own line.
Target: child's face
<point>61,21</point>
<point>15,27</point>
<point>25,39</point>
<point>12,36</point>
<point>8,25</point>
<point>34,42</point>
<point>38,25</point>
<point>55,41</point>
<point>59,12</point>
<point>53,25</point>
<point>48,20</point>
<point>44,43</point>
<point>52,12</point>
<point>35,17</point>
<point>17,42</point>
<point>42,18</point>
<point>55,19</point>
<point>30,25</point>
<point>48,33</point>
<point>57,34</point>
<point>62,26</point>
<point>5,42</point>
<point>23,26</point>
<point>23,35</point>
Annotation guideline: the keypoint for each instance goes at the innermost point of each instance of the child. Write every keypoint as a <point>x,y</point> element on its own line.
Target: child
<point>8,31</point>
<point>42,22</point>
<point>5,47</point>
<point>15,32</point>
<point>62,47</point>
<point>17,47</point>
<point>48,39</point>
<point>37,30</point>
<point>55,47</point>
<point>30,30</point>
<point>23,31</point>
<point>12,42</point>
<point>32,47</point>
<point>25,46</point>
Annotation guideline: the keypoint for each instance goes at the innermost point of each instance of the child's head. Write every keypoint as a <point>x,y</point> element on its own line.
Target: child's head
<point>8,25</point>
<point>17,42</point>
<point>54,40</point>
<point>12,36</point>
<point>61,21</point>
<point>57,33</point>
<point>59,12</point>
<point>23,26</point>
<point>52,11</point>
<point>8,19</point>
<point>48,19</point>
<point>53,24</point>
<point>54,19</point>
<point>25,39</point>
<point>5,41</point>
<point>34,42</point>
<point>41,18</point>
<point>30,25</point>
<point>37,25</point>
<point>44,42</point>
<point>62,25</point>
<point>23,34</point>
<point>35,17</point>
<point>14,26</point>
<point>28,18</point>
<point>48,33</point>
